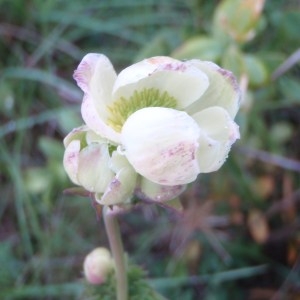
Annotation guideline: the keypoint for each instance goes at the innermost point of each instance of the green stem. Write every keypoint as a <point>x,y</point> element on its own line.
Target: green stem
<point>116,245</point>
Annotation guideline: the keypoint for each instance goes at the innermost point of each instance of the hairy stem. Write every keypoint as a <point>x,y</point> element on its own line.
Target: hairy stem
<point>116,245</point>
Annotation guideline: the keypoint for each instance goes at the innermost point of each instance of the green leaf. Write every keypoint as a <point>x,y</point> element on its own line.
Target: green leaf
<point>37,180</point>
<point>68,119</point>
<point>245,64</point>
<point>202,47</point>
<point>161,44</point>
<point>256,70</point>
<point>51,147</point>
<point>281,132</point>
<point>290,88</point>
<point>290,25</point>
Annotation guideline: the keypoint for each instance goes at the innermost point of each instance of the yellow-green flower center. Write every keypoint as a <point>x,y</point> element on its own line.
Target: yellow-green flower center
<point>121,109</point>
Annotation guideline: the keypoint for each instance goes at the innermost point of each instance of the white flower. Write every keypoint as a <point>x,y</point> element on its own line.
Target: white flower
<point>172,120</point>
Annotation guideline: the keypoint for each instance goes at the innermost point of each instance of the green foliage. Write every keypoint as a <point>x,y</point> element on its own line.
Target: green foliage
<point>139,288</point>
<point>213,251</point>
<point>201,47</point>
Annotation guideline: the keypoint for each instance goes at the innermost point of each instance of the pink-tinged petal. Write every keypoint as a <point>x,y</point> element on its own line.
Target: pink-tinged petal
<point>94,173</point>
<point>181,80</point>
<point>120,189</point>
<point>78,133</point>
<point>223,89</point>
<point>70,160</point>
<point>96,76</point>
<point>92,119</point>
<point>220,133</point>
<point>142,69</point>
<point>93,137</point>
<point>161,144</point>
<point>149,190</point>
<point>118,161</point>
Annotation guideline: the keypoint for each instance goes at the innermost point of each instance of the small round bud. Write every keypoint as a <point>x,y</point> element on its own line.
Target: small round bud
<point>97,265</point>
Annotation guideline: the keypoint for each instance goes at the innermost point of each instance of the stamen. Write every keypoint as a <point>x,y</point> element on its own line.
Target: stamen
<point>121,109</point>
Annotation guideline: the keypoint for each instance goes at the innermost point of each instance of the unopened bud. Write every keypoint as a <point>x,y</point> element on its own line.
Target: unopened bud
<point>97,265</point>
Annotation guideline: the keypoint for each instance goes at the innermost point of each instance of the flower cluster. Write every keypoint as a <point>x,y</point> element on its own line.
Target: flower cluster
<point>151,129</point>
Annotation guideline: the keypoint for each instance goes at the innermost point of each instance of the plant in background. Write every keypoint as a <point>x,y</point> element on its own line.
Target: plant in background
<point>235,23</point>
<point>148,132</point>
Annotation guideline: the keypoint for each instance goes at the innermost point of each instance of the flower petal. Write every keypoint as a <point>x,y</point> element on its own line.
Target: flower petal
<point>223,89</point>
<point>121,188</point>
<point>70,160</point>
<point>78,133</point>
<point>220,133</point>
<point>161,144</point>
<point>181,80</point>
<point>96,76</point>
<point>93,137</point>
<point>93,120</point>
<point>118,161</point>
<point>149,190</point>
<point>94,173</point>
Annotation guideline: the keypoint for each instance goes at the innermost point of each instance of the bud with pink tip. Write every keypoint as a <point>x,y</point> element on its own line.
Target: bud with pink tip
<point>97,266</point>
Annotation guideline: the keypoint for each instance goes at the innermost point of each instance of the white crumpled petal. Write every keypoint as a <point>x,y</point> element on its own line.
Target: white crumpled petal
<point>220,133</point>
<point>223,89</point>
<point>181,80</point>
<point>149,190</point>
<point>118,161</point>
<point>96,76</point>
<point>121,188</point>
<point>70,160</point>
<point>93,120</point>
<point>94,173</point>
<point>73,143</point>
<point>161,145</point>
<point>78,133</point>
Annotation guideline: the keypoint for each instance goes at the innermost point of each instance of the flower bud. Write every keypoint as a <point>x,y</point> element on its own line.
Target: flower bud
<point>97,265</point>
<point>238,18</point>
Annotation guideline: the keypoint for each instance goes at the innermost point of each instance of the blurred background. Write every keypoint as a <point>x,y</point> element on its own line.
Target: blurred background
<point>239,237</point>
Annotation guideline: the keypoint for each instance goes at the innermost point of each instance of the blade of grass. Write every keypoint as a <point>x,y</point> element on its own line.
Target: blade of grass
<point>217,278</point>
<point>29,122</point>
<point>15,175</point>
<point>32,37</point>
<point>65,88</point>
<point>39,292</point>
<point>46,45</point>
